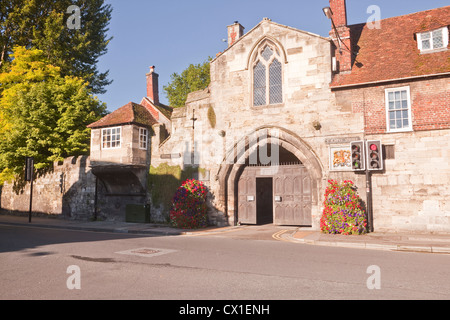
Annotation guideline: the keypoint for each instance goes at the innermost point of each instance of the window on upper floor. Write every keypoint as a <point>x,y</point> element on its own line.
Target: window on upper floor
<point>143,138</point>
<point>267,76</point>
<point>398,109</point>
<point>111,138</point>
<point>433,40</point>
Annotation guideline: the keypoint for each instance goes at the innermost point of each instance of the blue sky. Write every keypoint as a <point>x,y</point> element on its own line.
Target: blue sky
<point>172,34</point>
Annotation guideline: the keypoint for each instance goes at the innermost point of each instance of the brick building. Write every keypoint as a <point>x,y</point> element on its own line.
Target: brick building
<point>399,82</point>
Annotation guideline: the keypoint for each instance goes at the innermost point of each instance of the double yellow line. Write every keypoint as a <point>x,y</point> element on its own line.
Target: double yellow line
<point>278,236</point>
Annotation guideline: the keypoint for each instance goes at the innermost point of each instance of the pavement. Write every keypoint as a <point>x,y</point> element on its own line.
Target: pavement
<point>408,242</point>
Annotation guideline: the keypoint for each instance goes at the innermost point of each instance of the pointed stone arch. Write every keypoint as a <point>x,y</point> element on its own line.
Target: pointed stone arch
<point>236,157</point>
<point>262,43</point>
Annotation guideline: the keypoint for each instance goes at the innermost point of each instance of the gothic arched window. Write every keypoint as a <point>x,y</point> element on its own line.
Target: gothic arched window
<point>267,76</point>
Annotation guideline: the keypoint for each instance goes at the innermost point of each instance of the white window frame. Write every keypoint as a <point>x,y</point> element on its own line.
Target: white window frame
<point>420,40</point>
<point>143,143</point>
<point>408,95</point>
<point>104,133</point>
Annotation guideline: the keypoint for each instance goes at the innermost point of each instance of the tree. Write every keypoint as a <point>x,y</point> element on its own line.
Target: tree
<point>42,24</point>
<point>195,77</point>
<point>43,114</point>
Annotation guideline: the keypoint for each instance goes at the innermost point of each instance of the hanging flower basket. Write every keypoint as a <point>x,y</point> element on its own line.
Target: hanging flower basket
<point>189,210</point>
<point>343,212</point>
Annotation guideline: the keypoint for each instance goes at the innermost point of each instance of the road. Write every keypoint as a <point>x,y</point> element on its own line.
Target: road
<point>38,263</point>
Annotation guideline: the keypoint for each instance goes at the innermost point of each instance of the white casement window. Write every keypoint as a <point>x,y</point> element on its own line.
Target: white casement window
<point>267,77</point>
<point>143,138</point>
<point>111,138</point>
<point>433,40</point>
<point>398,109</point>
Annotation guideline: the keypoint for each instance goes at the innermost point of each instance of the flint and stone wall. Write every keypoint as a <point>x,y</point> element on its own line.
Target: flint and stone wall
<point>68,191</point>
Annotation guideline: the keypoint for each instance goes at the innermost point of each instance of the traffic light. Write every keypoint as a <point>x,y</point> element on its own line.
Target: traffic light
<point>357,149</point>
<point>374,155</point>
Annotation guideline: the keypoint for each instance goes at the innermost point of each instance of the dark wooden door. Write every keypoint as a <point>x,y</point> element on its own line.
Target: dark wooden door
<point>264,200</point>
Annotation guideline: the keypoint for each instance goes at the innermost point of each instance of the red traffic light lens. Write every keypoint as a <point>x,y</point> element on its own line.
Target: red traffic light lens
<point>373,147</point>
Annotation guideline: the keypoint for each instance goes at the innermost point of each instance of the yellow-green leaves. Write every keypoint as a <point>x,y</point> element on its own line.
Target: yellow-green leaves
<point>43,114</point>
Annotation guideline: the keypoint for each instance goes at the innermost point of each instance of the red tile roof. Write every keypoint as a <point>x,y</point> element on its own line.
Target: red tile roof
<point>391,52</point>
<point>129,113</point>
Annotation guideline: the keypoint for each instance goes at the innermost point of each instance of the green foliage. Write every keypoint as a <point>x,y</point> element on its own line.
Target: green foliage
<point>194,78</point>
<point>189,210</point>
<point>41,24</point>
<point>43,114</point>
<point>164,180</point>
<point>343,212</point>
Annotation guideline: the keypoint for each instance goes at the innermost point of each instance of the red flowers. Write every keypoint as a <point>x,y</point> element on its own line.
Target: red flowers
<point>189,209</point>
<point>342,211</point>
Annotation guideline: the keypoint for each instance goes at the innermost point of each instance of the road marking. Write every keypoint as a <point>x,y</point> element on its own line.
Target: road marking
<point>278,236</point>
<point>146,252</point>
<point>206,233</point>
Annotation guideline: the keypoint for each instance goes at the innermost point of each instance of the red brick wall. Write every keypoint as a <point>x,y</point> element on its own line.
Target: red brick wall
<point>430,104</point>
<point>339,12</point>
<point>343,54</point>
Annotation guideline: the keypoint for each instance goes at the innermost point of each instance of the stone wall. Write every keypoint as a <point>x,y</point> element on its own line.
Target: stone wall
<point>413,193</point>
<point>129,152</point>
<point>68,191</point>
<point>71,191</point>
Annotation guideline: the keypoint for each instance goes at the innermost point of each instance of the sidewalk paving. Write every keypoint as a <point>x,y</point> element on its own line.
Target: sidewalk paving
<point>409,242</point>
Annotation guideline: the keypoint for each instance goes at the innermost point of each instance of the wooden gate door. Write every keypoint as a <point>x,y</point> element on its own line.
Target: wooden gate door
<point>292,196</point>
<point>247,197</point>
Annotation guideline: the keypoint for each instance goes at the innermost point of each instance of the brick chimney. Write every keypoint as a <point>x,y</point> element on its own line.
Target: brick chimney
<point>235,31</point>
<point>152,85</point>
<point>343,42</point>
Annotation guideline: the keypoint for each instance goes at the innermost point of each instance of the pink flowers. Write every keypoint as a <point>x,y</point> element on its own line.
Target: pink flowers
<point>342,213</point>
<point>189,209</point>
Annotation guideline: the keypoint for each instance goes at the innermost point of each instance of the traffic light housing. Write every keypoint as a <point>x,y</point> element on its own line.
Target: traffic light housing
<point>374,155</point>
<point>358,161</point>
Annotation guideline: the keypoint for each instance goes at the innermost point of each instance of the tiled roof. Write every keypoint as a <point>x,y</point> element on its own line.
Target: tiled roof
<point>391,52</point>
<point>165,110</point>
<point>129,113</point>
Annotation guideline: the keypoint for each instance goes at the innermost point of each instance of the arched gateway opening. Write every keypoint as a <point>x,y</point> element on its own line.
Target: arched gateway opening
<point>270,176</point>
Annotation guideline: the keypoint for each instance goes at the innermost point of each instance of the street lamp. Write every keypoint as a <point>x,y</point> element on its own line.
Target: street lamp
<point>328,12</point>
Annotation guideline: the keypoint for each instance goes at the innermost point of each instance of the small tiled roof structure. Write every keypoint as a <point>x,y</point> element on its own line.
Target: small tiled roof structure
<point>391,52</point>
<point>162,108</point>
<point>131,113</point>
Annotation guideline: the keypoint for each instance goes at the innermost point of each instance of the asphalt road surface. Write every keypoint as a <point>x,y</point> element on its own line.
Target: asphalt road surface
<point>37,263</point>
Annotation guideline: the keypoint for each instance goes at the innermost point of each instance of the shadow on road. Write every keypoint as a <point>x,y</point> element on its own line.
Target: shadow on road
<point>17,238</point>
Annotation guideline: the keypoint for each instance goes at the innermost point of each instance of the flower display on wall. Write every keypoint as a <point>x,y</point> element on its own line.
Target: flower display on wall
<point>189,210</point>
<point>343,212</point>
